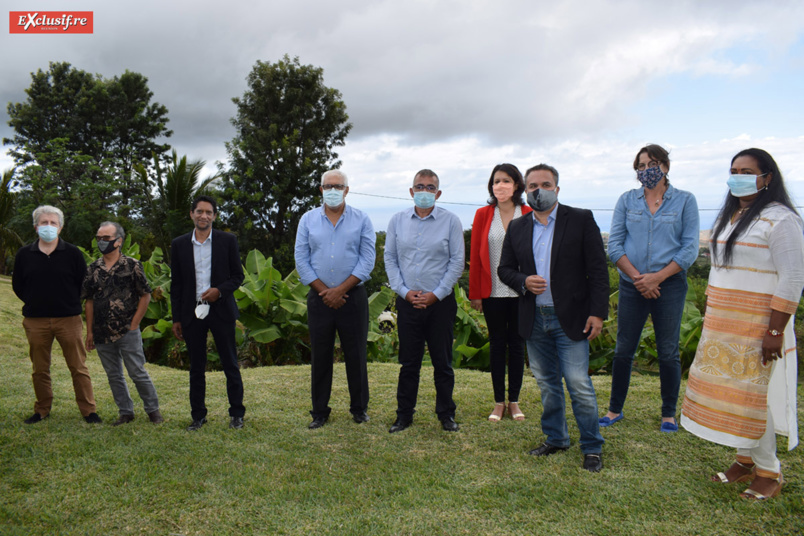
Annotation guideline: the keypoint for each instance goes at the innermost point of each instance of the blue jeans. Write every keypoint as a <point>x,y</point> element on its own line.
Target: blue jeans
<point>127,350</point>
<point>666,312</point>
<point>554,356</point>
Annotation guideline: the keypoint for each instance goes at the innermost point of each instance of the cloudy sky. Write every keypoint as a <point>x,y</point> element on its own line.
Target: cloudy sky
<point>459,86</point>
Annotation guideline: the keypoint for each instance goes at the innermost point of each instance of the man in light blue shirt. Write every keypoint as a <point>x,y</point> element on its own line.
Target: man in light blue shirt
<point>424,257</point>
<point>335,256</point>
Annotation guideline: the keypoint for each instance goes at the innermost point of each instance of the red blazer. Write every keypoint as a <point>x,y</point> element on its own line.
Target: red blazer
<point>479,263</point>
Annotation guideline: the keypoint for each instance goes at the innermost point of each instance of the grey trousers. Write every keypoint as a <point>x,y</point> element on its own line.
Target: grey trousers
<point>127,351</point>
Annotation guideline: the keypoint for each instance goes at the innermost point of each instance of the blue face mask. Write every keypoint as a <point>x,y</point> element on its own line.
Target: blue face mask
<point>650,177</point>
<point>47,233</point>
<point>333,198</point>
<point>743,185</point>
<point>424,199</point>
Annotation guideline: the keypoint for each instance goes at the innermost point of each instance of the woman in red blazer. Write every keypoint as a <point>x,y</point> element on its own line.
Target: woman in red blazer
<point>488,294</point>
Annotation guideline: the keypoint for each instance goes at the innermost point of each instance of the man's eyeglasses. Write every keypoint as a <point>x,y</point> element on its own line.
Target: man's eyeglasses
<point>422,187</point>
<point>333,187</point>
<point>105,238</point>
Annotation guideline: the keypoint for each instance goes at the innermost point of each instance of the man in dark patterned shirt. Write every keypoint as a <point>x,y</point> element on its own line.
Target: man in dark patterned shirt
<point>117,295</point>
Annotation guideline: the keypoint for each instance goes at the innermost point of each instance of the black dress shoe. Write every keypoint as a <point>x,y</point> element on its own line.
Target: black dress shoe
<point>593,462</point>
<point>318,422</point>
<point>546,450</point>
<point>399,425</point>
<point>449,425</point>
<point>93,418</point>
<point>236,423</point>
<point>123,419</point>
<point>361,417</point>
<point>197,424</point>
<point>35,418</point>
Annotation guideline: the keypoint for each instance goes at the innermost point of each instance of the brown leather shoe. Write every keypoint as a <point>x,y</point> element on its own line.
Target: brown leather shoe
<point>123,419</point>
<point>156,417</point>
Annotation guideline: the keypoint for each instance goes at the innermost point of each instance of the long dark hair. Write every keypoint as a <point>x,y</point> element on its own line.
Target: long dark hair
<point>519,183</point>
<point>773,192</point>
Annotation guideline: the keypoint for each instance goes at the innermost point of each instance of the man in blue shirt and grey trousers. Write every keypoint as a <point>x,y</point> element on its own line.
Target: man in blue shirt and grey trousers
<point>335,256</point>
<point>424,257</point>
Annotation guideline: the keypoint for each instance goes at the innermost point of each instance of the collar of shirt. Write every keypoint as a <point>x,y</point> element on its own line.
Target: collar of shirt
<point>433,213</point>
<point>197,243</point>
<point>59,246</point>
<point>347,211</point>
<point>550,217</point>
<point>667,194</point>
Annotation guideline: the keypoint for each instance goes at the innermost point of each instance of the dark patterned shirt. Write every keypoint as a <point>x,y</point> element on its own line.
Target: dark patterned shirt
<point>115,294</point>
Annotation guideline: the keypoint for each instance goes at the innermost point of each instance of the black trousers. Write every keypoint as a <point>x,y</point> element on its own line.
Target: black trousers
<point>433,325</point>
<point>351,323</point>
<point>195,335</point>
<point>502,319</point>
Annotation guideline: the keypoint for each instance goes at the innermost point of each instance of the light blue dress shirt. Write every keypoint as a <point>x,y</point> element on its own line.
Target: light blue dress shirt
<point>543,252</point>
<point>332,253</point>
<point>652,241</point>
<point>424,254</point>
<point>202,257</point>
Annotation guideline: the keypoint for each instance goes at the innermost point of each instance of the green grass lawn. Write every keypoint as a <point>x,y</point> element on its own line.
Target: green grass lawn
<point>62,476</point>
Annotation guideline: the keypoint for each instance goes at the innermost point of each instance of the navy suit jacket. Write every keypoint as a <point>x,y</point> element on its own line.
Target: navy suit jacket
<point>227,276</point>
<point>579,277</point>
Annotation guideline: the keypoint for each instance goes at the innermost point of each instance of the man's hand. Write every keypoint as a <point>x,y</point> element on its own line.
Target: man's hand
<point>211,295</point>
<point>177,331</point>
<point>536,284</point>
<point>89,342</point>
<point>424,299</point>
<point>594,324</point>
<point>332,297</point>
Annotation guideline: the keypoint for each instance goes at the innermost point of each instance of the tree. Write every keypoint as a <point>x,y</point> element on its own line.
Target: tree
<point>288,125</point>
<point>176,185</point>
<point>9,239</point>
<point>77,137</point>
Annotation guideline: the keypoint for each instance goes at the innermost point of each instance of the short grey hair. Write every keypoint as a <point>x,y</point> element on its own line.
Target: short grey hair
<point>337,172</point>
<point>427,173</point>
<point>47,209</point>
<point>119,232</point>
<point>543,167</point>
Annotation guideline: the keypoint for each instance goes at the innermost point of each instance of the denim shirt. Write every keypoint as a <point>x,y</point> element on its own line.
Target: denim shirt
<point>652,241</point>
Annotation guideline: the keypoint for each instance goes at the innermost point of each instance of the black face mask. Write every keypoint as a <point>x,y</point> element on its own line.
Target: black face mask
<point>106,246</point>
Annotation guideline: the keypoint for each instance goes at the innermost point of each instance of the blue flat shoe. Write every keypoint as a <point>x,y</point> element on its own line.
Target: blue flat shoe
<point>669,427</point>
<point>605,421</point>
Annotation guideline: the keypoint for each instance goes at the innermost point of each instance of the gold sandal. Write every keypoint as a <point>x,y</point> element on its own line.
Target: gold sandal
<point>721,478</point>
<point>516,414</point>
<point>494,417</point>
<point>757,496</point>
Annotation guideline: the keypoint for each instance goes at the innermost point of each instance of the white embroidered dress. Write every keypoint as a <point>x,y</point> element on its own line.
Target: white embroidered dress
<point>729,391</point>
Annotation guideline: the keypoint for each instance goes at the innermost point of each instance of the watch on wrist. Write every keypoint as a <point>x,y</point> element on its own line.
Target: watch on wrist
<point>775,333</point>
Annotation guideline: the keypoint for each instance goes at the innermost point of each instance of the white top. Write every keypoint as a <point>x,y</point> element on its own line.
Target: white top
<point>496,237</point>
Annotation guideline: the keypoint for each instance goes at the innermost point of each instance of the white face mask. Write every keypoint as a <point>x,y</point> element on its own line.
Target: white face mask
<point>201,310</point>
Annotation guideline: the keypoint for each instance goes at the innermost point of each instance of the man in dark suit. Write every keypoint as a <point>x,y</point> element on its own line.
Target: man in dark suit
<point>206,271</point>
<point>555,260</point>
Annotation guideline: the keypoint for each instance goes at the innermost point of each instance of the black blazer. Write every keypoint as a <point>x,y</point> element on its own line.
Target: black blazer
<point>227,276</point>
<point>579,278</point>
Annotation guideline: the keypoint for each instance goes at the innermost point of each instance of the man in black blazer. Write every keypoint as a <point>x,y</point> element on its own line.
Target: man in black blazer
<point>555,260</point>
<point>206,270</point>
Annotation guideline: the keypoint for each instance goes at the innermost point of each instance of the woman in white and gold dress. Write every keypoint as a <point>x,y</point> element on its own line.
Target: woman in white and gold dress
<point>742,383</point>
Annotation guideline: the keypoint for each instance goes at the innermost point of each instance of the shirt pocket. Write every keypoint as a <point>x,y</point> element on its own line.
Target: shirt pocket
<point>634,216</point>
<point>669,218</point>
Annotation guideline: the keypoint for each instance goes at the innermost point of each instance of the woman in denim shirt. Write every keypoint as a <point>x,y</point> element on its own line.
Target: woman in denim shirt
<point>653,240</point>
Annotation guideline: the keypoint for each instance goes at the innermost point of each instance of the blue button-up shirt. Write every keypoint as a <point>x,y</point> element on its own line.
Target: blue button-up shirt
<point>652,241</point>
<point>202,258</point>
<point>542,253</point>
<point>424,253</point>
<point>332,253</point>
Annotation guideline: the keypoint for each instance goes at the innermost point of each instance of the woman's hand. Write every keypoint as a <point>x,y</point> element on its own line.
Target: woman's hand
<point>477,305</point>
<point>772,348</point>
<point>648,285</point>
